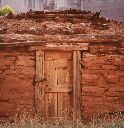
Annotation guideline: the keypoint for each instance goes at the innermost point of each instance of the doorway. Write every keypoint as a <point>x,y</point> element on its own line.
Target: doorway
<point>56,89</point>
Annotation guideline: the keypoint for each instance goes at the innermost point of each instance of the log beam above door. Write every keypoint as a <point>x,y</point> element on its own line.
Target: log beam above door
<point>59,47</point>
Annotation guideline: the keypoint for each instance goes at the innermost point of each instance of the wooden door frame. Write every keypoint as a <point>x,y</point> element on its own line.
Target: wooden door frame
<point>39,82</point>
<point>76,85</point>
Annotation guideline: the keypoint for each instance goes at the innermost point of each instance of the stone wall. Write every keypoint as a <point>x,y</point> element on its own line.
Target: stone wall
<point>103,79</point>
<point>17,72</point>
<point>102,83</point>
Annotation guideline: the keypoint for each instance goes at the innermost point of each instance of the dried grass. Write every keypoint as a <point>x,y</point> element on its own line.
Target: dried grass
<point>25,122</point>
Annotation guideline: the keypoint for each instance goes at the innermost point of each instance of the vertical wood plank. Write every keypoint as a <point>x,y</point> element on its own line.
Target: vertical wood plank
<point>51,105</point>
<point>64,71</point>
<point>39,83</point>
<point>51,80</point>
<point>39,65</point>
<point>76,85</point>
<point>78,81</point>
<point>65,105</point>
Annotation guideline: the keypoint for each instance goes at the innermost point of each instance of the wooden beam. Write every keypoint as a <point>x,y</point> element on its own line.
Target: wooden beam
<point>39,65</point>
<point>39,84</point>
<point>23,44</point>
<point>83,46</point>
<point>76,85</point>
<point>59,89</point>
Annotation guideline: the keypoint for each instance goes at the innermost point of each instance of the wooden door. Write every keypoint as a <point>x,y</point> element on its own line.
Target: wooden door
<point>55,80</point>
<point>58,82</point>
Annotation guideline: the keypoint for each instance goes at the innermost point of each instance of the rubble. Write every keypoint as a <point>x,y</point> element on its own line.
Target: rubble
<point>68,22</point>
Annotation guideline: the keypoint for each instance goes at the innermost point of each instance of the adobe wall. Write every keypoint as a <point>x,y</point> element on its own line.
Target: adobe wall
<point>17,72</point>
<point>103,79</point>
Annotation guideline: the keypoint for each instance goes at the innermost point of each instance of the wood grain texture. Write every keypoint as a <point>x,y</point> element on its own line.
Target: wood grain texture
<point>82,46</point>
<point>39,83</point>
<point>58,84</point>
<point>76,85</point>
<point>39,65</point>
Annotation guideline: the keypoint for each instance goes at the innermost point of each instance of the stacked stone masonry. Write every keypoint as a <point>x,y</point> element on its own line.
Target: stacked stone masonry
<point>102,80</point>
<point>17,72</point>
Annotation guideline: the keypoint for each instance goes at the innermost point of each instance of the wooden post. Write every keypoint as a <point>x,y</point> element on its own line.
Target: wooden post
<point>76,85</point>
<point>39,66</point>
<point>78,81</point>
<point>39,83</point>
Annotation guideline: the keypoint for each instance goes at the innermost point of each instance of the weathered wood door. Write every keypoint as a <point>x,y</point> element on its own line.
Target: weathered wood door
<point>54,84</point>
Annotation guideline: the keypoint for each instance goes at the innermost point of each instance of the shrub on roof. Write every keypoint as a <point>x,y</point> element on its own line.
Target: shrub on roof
<point>6,10</point>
